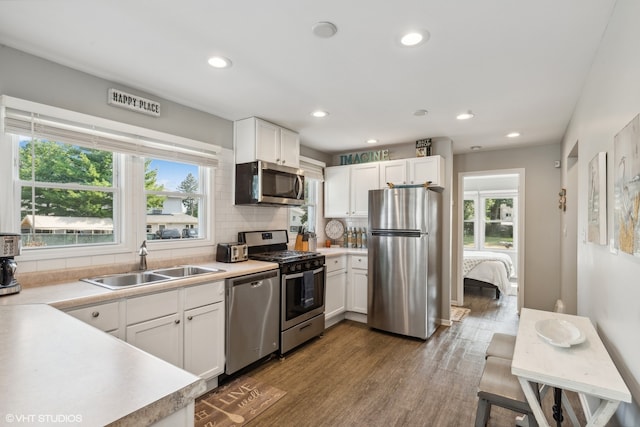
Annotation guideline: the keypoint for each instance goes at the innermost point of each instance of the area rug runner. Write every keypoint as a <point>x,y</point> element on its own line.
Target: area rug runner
<point>459,313</point>
<point>236,403</point>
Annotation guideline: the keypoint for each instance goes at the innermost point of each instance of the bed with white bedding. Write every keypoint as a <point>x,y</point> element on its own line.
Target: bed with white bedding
<point>488,270</point>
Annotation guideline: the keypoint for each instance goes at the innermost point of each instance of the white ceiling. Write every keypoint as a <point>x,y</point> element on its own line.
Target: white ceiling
<point>518,65</point>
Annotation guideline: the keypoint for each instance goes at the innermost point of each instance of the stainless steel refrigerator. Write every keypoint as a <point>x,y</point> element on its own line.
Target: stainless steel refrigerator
<point>405,260</point>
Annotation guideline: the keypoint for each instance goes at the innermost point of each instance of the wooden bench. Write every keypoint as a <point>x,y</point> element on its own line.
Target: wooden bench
<point>501,388</point>
<point>501,345</point>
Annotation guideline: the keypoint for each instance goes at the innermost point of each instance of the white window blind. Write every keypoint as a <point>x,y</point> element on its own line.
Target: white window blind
<point>313,169</point>
<point>56,124</point>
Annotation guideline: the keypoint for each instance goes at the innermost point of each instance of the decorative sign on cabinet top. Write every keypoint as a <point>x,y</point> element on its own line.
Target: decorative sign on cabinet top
<point>423,147</point>
<point>366,157</point>
<point>135,103</point>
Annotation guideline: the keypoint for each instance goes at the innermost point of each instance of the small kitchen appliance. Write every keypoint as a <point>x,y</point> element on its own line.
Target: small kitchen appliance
<point>231,252</point>
<point>261,183</point>
<point>302,285</point>
<point>10,248</point>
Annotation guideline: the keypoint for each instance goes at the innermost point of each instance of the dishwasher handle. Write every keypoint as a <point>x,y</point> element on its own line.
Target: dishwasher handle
<point>255,280</point>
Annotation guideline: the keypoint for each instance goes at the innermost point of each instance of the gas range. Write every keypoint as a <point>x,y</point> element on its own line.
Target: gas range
<point>302,279</point>
<point>271,246</point>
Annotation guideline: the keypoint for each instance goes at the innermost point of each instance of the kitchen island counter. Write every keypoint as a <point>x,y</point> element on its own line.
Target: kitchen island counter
<point>58,370</point>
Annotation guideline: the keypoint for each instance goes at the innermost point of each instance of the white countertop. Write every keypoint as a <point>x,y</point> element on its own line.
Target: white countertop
<point>329,252</point>
<point>54,365</point>
<point>78,293</point>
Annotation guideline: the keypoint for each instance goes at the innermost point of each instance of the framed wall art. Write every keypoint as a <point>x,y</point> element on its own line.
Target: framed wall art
<point>626,146</point>
<point>597,199</point>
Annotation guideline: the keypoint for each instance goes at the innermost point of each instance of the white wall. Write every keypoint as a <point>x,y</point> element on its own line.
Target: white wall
<point>608,284</point>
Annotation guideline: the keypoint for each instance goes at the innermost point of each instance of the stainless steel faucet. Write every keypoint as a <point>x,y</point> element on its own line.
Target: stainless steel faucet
<point>143,252</point>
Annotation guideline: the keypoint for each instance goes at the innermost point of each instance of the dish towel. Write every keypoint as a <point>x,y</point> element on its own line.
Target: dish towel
<point>308,289</point>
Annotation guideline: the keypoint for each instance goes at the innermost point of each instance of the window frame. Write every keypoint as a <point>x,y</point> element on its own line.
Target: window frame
<point>479,198</point>
<point>129,223</point>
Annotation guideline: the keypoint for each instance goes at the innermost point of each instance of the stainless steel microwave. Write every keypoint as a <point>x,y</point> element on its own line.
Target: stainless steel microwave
<point>262,183</point>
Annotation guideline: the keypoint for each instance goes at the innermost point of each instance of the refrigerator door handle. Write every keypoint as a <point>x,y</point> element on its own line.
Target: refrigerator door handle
<point>398,233</point>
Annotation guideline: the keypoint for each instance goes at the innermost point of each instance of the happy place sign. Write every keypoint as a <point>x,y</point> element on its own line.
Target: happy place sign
<point>135,103</point>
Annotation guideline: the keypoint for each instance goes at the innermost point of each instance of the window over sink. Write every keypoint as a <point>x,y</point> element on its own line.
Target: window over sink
<point>84,185</point>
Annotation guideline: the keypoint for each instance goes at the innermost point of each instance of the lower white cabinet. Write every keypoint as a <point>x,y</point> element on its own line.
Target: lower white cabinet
<point>204,340</point>
<point>161,337</point>
<point>357,295</point>
<point>105,317</point>
<point>336,289</point>
<point>184,327</point>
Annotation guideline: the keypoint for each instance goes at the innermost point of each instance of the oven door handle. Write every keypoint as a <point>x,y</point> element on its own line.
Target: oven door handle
<point>296,275</point>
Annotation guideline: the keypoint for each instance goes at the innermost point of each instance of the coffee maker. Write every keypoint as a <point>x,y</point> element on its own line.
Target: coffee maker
<point>9,248</point>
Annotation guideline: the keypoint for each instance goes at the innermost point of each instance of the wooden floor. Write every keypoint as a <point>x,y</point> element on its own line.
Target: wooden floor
<point>355,376</point>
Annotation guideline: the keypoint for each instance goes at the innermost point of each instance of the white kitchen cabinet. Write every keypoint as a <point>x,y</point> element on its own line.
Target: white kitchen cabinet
<point>336,191</point>
<point>347,189</point>
<point>393,171</point>
<point>105,317</point>
<point>358,285</point>
<point>257,139</point>
<point>204,340</point>
<point>335,290</point>
<point>204,329</point>
<point>154,324</point>
<point>413,171</point>
<point>429,168</point>
<point>161,337</point>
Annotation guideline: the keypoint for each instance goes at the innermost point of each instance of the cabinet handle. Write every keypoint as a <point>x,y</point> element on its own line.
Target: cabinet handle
<point>177,321</point>
<point>95,314</point>
<point>284,161</point>
<point>190,318</point>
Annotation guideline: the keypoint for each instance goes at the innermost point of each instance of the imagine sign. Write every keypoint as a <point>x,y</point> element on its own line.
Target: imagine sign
<point>369,156</point>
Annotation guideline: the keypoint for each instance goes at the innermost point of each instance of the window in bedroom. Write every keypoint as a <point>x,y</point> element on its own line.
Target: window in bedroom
<point>489,220</point>
<point>498,222</point>
<point>470,223</point>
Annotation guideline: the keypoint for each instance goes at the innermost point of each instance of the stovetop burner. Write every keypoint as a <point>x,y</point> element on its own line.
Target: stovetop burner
<point>284,256</point>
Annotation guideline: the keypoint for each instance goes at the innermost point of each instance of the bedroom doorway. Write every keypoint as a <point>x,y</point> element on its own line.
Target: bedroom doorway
<point>491,230</point>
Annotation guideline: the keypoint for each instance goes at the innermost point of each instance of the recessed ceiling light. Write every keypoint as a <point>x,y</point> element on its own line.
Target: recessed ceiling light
<point>414,38</point>
<point>476,147</point>
<point>324,29</point>
<point>372,141</point>
<point>420,113</point>
<point>513,135</point>
<point>219,62</point>
<point>465,116</point>
<point>319,113</point>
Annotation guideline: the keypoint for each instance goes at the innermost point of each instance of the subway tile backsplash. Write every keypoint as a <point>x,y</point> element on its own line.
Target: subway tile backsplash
<point>231,219</point>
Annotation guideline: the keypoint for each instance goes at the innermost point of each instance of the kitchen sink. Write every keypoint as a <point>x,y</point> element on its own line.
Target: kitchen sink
<point>140,278</point>
<point>127,280</point>
<point>186,271</point>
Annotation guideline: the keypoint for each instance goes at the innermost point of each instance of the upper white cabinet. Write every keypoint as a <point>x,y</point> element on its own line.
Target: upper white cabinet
<point>257,139</point>
<point>430,168</point>
<point>413,171</point>
<point>347,189</point>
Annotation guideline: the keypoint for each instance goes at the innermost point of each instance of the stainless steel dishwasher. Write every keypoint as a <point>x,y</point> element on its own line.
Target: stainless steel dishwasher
<point>253,316</point>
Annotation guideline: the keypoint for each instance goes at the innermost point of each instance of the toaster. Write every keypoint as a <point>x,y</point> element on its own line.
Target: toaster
<point>232,252</point>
